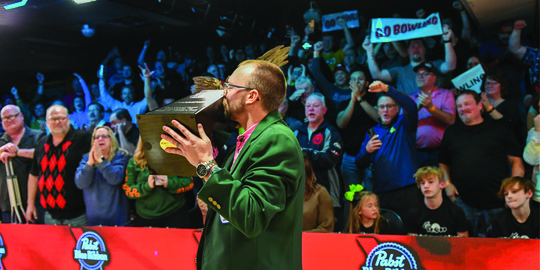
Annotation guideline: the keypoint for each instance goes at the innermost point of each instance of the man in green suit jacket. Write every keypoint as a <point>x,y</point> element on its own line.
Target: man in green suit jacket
<point>256,197</point>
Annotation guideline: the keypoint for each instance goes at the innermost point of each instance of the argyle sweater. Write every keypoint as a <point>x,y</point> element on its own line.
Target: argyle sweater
<point>55,167</point>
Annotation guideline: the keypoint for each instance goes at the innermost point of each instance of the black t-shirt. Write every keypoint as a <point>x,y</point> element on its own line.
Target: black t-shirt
<point>477,160</point>
<point>355,131</point>
<point>447,220</point>
<point>132,135</point>
<point>55,167</point>
<point>505,225</point>
<point>384,228</point>
<point>21,166</point>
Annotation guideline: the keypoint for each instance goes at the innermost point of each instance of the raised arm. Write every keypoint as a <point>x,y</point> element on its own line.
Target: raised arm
<point>147,78</point>
<point>514,44</point>
<point>450,60</point>
<point>374,69</point>
<point>466,33</point>
<point>142,55</point>
<point>516,165</point>
<point>347,32</point>
<point>86,91</point>
<point>450,189</point>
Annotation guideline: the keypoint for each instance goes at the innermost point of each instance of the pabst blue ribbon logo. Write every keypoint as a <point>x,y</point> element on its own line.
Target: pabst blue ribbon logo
<point>3,251</point>
<point>390,256</point>
<point>91,251</point>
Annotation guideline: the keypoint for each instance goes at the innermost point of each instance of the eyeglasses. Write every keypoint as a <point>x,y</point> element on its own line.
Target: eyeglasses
<point>491,83</point>
<point>10,117</point>
<point>386,106</point>
<point>228,85</point>
<point>101,137</point>
<point>423,74</point>
<point>58,119</point>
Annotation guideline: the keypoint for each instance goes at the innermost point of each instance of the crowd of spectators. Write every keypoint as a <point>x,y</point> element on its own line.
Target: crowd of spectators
<point>369,114</point>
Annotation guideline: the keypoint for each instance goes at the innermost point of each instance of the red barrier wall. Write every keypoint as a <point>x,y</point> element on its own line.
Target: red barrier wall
<point>54,247</point>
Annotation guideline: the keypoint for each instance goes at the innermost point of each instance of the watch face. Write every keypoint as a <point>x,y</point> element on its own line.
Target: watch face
<point>201,170</point>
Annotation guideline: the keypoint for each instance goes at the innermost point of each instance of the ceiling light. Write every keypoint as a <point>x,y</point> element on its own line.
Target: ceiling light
<point>15,5</point>
<point>80,2</point>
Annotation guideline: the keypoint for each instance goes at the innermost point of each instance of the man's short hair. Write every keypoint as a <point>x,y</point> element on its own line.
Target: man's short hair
<point>320,96</point>
<point>130,87</point>
<point>122,114</point>
<point>523,183</point>
<point>54,106</point>
<point>270,81</point>
<point>100,107</point>
<point>427,171</point>
<point>410,41</point>
<point>476,96</point>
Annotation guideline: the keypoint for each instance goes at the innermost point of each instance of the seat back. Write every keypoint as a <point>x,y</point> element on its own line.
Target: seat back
<point>394,221</point>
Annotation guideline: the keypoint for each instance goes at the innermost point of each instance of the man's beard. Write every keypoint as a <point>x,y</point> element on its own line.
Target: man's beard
<point>226,110</point>
<point>230,109</point>
<point>465,119</point>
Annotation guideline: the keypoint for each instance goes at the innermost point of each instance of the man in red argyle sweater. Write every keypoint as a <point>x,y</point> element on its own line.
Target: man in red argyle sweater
<point>52,174</point>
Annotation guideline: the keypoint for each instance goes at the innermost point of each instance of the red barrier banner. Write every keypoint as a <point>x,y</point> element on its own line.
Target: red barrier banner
<point>64,247</point>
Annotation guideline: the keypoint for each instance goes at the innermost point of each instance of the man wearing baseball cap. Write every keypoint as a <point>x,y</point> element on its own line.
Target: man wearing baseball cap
<point>436,111</point>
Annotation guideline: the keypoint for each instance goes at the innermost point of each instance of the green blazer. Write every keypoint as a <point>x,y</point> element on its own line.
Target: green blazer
<point>255,207</point>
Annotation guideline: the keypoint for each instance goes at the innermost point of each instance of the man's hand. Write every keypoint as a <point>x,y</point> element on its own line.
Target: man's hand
<point>378,86</point>
<point>341,22</point>
<point>297,94</point>
<point>519,24</point>
<point>145,72</point>
<point>420,13</point>
<point>8,150</point>
<point>457,5</point>
<point>40,78</point>
<point>367,45</point>
<point>31,213</point>
<point>537,123</point>
<point>451,191</point>
<point>485,100</point>
<point>196,150</point>
<point>373,144</point>
<point>448,34</point>
<point>15,92</point>
<point>424,100</point>
<point>318,47</point>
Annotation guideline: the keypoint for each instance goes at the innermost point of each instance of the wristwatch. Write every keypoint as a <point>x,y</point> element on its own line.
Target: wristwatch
<point>204,168</point>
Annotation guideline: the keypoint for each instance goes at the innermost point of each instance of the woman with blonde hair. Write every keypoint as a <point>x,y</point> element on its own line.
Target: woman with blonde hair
<point>99,175</point>
<point>159,199</point>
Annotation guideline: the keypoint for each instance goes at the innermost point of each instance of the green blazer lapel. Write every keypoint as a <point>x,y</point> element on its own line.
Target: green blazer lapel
<point>270,119</point>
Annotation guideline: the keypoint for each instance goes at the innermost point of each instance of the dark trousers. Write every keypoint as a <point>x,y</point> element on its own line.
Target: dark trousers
<point>179,219</point>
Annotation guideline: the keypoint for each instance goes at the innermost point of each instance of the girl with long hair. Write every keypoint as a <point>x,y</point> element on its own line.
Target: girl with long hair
<point>365,216</point>
<point>159,199</point>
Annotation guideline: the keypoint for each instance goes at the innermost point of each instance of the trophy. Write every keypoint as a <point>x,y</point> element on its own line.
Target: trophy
<point>205,107</point>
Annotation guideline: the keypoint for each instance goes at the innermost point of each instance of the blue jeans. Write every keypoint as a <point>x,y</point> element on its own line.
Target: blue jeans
<point>77,221</point>
<point>480,219</point>
<point>352,175</point>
